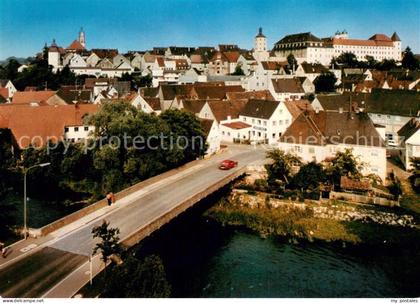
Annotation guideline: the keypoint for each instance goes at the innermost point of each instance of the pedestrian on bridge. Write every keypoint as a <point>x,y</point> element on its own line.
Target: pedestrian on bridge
<point>3,249</point>
<point>109,198</point>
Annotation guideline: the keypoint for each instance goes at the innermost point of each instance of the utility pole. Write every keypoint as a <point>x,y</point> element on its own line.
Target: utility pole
<point>25,172</point>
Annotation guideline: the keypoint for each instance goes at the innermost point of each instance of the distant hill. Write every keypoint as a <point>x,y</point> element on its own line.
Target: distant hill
<point>20,60</point>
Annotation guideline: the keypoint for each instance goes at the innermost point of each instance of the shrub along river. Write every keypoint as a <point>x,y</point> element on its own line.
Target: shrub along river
<point>204,259</point>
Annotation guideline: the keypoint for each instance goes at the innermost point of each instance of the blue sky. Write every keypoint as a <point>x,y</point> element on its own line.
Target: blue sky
<point>25,25</point>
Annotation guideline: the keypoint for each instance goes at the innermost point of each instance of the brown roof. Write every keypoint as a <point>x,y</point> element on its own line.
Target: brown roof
<point>297,107</point>
<point>105,53</point>
<point>375,40</point>
<point>236,125</point>
<point>229,56</point>
<point>332,128</point>
<point>273,65</point>
<point>154,103</point>
<point>40,123</point>
<point>206,125</point>
<point>287,86</point>
<point>409,129</point>
<point>259,94</point>
<point>196,58</point>
<point>350,184</point>
<point>263,109</point>
<point>313,68</point>
<point>169,92</point>
<point>33,96</point>
<point>215,91</point>
<point>193,106</point>
<point>224,109</point>
<point>160,61</point>
<point>75,45</point>
<point>343,101</point>
<point>4,93</point>
<point>149,91</point>
<point>71,94</point>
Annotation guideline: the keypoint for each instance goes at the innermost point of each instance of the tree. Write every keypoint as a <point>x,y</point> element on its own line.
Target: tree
<point>409,61</point>
<point>309,176</point>
<point>347,60</point>
<point>109,241</point>
<point>386,65</point>
<point>238,70</point>
<point>291,61</point>
<point>138,279</point>
<point>344,164</point>
<point>371,62</point>
<point>186,126</point>
<point>325,82</point>
<point>281,166</point>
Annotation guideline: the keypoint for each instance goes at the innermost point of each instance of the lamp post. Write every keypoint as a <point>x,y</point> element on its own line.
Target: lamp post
<point>25,172</point>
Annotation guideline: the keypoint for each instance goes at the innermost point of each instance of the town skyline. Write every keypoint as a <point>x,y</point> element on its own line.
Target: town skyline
<point>34,25</point>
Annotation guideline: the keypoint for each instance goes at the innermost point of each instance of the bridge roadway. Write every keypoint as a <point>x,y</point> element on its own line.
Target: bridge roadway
<point>59,267</point>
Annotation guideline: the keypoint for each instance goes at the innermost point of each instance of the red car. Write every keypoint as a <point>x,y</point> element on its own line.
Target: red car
<point>228,164</point>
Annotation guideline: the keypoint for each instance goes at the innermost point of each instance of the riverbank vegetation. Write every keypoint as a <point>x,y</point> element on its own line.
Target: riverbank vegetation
<point>300,223</point>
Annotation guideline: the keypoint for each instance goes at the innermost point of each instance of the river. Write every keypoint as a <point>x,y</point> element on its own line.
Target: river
<point>204,259</point>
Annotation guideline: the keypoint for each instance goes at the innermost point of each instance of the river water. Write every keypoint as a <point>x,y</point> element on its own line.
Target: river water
<point>204,259</point>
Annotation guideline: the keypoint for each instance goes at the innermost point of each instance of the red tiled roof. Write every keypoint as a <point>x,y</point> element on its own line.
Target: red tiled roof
<point>4,92</point>
<point>297,107</point>
<point>37,124</point>
<point>378,41</point>
<point>349,184</point>
<point>273,65</point>
<point>32,96</point>
<point>75,45</point>
<point>236,125</point>
<point>287,86</point>
<point>259,94</point>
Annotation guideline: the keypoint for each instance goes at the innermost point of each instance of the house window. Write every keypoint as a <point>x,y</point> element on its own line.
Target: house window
<point>265,123</point>
<point>76,129</point>
<point>298,148</point>
<point>86,128</point>
<point>274,123</point>
<point>287,121</point>
<point>259,134</point>
<point>274,135</point>
<point>66,129</point>
<point>311,150</point>
<point>259,122</point>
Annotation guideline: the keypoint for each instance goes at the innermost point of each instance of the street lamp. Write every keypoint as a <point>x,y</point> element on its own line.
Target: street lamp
<point>25,172</point>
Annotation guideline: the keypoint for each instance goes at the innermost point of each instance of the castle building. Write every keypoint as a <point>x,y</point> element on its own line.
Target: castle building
<point>307,47</point>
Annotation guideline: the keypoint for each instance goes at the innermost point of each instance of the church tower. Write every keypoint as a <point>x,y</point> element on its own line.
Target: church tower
<point>260,46</point>
<point>82,37</point>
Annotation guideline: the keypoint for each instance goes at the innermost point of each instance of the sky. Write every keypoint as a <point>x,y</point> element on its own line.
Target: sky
<point>25,25</point>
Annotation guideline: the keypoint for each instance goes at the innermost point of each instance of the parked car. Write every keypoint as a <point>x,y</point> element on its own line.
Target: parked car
<point>228,164</point>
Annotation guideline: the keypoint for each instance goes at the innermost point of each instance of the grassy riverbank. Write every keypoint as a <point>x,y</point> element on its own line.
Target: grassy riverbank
<point>300,223</point>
